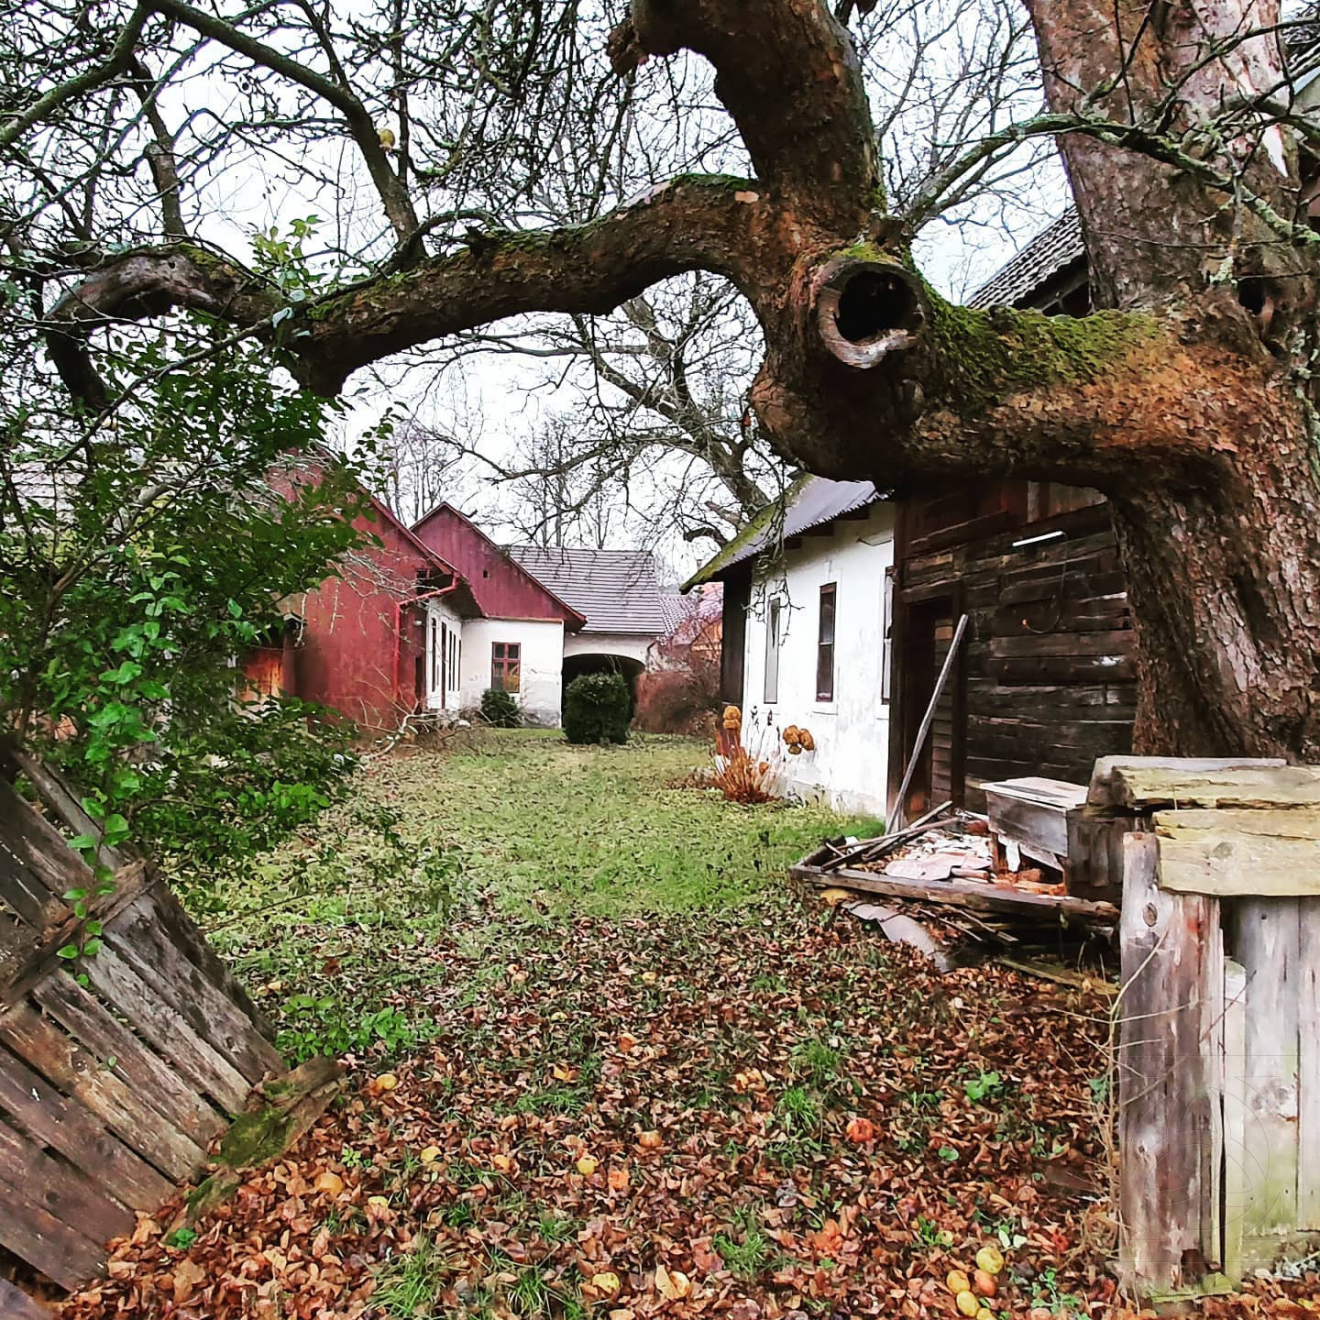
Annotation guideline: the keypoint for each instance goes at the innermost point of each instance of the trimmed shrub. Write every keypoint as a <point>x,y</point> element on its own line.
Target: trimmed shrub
<point>498,708</point>
<point>597,709</point>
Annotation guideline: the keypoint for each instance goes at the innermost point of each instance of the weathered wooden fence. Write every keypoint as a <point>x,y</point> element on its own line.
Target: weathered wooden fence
<point>1218,1063</point>
<point>111,1092</point>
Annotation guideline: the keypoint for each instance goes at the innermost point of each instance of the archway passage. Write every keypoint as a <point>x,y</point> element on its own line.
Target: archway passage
<point>603,663</point>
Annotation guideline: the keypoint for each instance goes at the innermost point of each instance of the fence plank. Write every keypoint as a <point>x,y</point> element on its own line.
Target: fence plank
<point>1145,786</point>
<point>34,1234</point>
<point>17,1305</point>
<point>149,1076</point>
<point>156,939</point>
<point>1308,1108</point>
<point>195,1060</point>
<point>1172,984</point>
<point>1265,938</point>
<point>38,845</point>
<point>65,802</point>
<point>44,961</point>
<point>26,895</point>
<point>75,1071</point>
<point>66,1126</point>
<point>1109,776</point>
<point>1235,1117</point>
<point>67,1193</point>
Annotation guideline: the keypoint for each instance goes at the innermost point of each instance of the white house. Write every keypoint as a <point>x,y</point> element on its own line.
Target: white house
<point>545,615</point>
<point>617,593</point>
<point>815,641</point>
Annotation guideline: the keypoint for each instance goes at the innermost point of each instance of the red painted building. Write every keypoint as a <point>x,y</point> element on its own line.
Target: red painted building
<point>359,642</point>
<point>503,589</point>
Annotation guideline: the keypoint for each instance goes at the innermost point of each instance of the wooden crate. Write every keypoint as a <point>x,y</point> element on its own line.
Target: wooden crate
<point>1218,1066</point>
<point>110,1092</point>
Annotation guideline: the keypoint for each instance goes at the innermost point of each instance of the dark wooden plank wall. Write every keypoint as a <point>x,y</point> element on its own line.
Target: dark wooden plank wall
<point>1050,657</point>
<point>942,732</point>
<point>110,1092</point>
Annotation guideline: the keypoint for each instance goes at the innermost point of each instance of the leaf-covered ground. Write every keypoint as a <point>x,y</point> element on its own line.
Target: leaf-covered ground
<point>631,1076</point>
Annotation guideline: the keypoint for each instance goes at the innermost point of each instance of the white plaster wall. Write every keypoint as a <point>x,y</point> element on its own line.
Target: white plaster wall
<point>849,767</point>
<point>440,610</point>
<point>631,645</point>
<point>542,643</point>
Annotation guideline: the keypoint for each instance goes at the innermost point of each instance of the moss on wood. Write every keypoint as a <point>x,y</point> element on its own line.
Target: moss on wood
<point>988,355</point>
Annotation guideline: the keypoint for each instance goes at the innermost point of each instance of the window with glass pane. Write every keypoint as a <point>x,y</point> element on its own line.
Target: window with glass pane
<point>505,666</point>
<point>825,644</point>
<point>773,625</point>
<point>887,636</point>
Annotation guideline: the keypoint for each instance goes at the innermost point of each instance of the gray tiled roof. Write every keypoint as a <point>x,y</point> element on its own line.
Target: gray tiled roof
<point>809,502</point>
<point>1056,246</point>
<point>677,609</point>
<point>615,589</point>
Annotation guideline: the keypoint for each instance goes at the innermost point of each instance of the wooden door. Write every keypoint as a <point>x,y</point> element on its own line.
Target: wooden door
<point>938,777</point>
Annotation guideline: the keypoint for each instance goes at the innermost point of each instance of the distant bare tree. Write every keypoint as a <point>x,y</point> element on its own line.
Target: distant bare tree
<point>417,472</point>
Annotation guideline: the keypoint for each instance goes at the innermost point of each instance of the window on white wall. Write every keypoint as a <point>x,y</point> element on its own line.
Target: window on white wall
<point>506,666</point>
<point>825,643</point>
<point>887,635</point>
<point>774,621</point>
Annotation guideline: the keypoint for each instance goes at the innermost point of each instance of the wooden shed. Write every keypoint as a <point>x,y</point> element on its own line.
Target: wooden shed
<point>1045,683</point>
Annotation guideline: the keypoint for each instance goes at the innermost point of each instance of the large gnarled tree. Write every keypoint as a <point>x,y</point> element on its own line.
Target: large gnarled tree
<point>1188,399</point>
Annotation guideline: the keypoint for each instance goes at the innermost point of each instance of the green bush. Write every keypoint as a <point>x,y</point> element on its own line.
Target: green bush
<point>498,708</point>
<point>597,708</point>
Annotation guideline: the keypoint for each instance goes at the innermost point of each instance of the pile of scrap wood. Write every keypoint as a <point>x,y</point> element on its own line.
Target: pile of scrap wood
<point>947,879</point>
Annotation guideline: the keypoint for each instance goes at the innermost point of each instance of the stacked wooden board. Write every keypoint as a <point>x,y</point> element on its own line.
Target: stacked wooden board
<point>110,1091</point>
<point>944,879</point>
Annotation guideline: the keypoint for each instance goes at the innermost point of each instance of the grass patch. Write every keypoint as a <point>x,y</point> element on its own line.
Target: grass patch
<point>519,824</point>
<point>409,1286</point>
<point>745,1249</point>
<point>594,830</point>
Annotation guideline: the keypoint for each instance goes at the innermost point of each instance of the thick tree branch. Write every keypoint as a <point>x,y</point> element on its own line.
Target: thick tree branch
<point>789,76</point>
<point>142,284</point>
<point>1114,400</point>
<point>721,225</point>
<point>160,155</point>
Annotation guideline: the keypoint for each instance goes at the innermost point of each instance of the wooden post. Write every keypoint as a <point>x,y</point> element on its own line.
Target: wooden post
<point>1168,1077</point>
<point>1308,1101</point>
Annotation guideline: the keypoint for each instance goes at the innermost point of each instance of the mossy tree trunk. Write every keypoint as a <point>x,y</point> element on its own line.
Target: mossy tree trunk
<point>1187,399</point>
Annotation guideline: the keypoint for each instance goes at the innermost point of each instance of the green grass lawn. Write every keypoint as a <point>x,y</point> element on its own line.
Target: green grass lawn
<point>518,831</point>
<point>556,829</point>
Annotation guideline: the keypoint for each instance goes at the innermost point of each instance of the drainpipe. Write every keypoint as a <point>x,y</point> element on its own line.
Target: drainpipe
<point>398,622</point>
